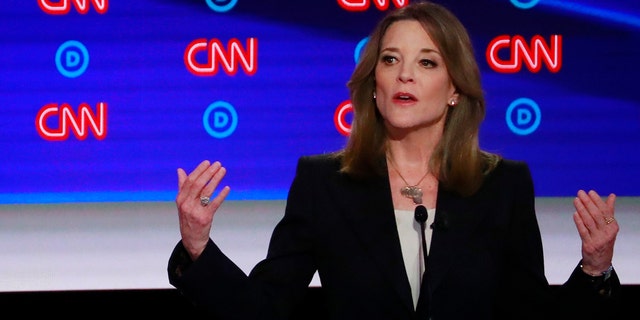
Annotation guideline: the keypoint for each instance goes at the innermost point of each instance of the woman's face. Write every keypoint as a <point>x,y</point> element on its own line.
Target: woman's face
<point>413,86</point>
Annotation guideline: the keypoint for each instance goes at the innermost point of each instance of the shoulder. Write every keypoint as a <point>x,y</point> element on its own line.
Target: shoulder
<point>318,169</point>
<point>326,161</point>
<point>494,165</point>
<point>510,173</point>
<point>318,166</point>
<point>512,166</point>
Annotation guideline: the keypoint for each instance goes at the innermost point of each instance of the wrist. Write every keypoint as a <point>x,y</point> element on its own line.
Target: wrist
<point>605,274</point>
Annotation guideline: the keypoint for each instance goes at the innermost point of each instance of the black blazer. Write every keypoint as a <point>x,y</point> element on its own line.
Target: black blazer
<point>485,260</point>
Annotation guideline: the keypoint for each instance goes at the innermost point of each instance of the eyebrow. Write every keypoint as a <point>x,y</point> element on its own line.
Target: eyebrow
<point>424,50</point>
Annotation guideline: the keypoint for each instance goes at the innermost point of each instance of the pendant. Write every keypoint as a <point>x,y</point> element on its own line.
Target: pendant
<point>412,192</point>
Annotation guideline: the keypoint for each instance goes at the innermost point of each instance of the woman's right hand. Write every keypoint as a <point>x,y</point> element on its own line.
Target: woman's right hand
<point>195,217</point>
<point>598,228</point>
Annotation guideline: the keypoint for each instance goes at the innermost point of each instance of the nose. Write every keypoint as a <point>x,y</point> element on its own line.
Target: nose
<point>406,73</point>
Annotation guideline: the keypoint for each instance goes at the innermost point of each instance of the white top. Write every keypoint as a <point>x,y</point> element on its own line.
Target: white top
<point>411,244</point>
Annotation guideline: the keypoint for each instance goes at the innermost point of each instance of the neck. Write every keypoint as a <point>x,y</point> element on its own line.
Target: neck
<point>409,161</point>
<point>413,144</point>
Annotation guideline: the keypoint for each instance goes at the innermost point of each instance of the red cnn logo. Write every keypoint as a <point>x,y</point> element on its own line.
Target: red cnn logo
<point>362,5</point>
<point>216,54</point>
<point>68,121</point>
<point>533,56</point>
<point>340,118</point>
<point>63,6</point>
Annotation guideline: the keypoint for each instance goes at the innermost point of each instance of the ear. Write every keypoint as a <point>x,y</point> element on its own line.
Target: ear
<point>453,101</point>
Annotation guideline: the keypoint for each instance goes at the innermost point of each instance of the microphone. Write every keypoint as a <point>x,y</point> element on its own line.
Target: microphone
<point>421,216</point>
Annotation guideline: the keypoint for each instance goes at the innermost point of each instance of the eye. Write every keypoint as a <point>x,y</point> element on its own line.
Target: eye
<point>388,59</point>
<point>428,63</point>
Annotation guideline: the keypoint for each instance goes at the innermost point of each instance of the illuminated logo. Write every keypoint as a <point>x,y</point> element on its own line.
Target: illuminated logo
<point>359,47</point>
<point>362,5</point>
<point>80,124</point>
<point>72,59</point>
<point>523,116</point>
<point>220,119</point>
<point>519,53</point>
<point>341,117</point>
<point>221,5</point>
<point>524,4</point>
<point>64,6</point>
<point>215,54</point>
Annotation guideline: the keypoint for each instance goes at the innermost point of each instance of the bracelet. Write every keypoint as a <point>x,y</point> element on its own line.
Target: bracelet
<point>606,274</point>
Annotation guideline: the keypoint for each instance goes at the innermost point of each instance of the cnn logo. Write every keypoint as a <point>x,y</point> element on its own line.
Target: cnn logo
<point>64,6</point>
<point>362,5</point>
<point>216,56</point>
<point>520,53</point>
<point>69,121</point>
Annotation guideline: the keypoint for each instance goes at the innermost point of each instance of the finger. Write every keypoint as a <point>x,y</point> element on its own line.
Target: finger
<point>583,206</point>
<point>600,210</point>
<point>186,186</point>
<point>610,215</point>
<point>199,170</point>
<point>197,179</point>
<point>609,205</point>
<point>600,205</point>
<point>182,176</point>
<point>583,231</point>
<point>218,173</point>
<point>217,201</point>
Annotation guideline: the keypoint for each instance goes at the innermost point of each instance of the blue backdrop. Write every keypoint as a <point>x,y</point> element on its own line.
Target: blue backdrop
<point>103,100</point>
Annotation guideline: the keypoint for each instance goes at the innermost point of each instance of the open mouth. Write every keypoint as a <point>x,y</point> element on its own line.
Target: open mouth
<point>404,97</point>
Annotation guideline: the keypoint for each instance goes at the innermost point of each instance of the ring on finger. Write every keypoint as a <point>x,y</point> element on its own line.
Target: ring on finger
<point>204,200</point>
<point>608,220</point>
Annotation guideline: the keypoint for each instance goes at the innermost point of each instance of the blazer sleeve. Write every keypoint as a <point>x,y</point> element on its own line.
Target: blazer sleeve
<point>588,297</point>
<point>276,284</point>
<point>581,297</point>
<point>526,292</point>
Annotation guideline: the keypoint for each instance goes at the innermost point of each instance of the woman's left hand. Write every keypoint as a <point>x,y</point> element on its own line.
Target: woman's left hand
<point>598,229</point>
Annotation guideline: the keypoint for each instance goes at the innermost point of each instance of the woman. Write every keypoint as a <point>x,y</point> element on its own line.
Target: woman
<point>418,105</point>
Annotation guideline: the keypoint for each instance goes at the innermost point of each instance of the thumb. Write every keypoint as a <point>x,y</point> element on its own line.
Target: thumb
<point>182,176</point>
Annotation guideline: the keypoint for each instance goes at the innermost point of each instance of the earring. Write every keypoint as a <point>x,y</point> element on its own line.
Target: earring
<point>374,94</point>
<point>453,102</point>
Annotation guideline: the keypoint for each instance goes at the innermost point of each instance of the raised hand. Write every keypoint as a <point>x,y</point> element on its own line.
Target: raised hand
<point>598,229</point>
<point>195,206</point>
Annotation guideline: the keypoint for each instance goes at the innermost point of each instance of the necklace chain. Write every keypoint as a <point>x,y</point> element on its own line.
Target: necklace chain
<point>413,192</point>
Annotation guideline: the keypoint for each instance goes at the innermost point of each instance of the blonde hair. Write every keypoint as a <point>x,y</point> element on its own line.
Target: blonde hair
<point>458,161</point>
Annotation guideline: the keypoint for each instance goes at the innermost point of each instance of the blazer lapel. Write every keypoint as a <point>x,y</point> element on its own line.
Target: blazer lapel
<point>456,218</point>
<point>369,210</point>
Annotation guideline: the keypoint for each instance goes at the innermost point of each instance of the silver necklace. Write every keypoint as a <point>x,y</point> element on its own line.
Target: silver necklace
<point>413,192</point>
